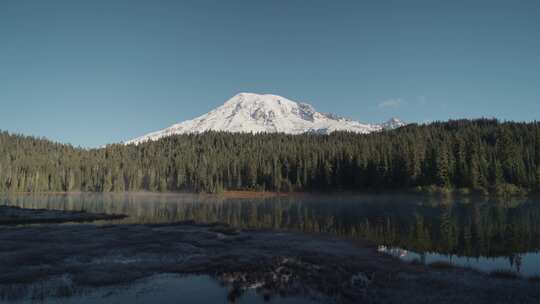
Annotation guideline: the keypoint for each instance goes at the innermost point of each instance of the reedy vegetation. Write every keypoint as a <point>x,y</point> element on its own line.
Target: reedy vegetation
<point>482,155</point>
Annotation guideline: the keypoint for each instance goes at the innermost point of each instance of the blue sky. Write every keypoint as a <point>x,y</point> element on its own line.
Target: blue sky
<point>102,71</point>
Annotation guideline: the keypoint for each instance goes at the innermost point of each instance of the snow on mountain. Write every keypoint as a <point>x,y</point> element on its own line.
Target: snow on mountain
<point>393,123</point>
<point>254,113</point>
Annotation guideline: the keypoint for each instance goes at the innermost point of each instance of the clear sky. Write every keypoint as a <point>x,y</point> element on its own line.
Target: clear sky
<point>102,71</point>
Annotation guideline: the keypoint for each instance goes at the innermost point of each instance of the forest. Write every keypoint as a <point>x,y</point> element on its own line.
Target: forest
<point>484,156</point>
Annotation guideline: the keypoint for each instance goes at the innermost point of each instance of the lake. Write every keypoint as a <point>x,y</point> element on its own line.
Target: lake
<point>481,233</point>
<point>163,289</point>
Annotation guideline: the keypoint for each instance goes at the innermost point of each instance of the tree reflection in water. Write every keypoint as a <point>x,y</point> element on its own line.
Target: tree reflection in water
<point>469,227</point>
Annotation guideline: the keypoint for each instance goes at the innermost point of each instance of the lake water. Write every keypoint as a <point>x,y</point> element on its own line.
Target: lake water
<point>481,233</point>
<point>162,289</point>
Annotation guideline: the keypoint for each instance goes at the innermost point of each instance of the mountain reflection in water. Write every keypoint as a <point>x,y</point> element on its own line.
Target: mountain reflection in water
<point>477,232</point>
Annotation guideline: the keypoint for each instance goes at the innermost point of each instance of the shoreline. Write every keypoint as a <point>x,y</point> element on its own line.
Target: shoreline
<point>298,264</point>
<point>426,191</point>
<point>308,265</point>
<point>11,215</point>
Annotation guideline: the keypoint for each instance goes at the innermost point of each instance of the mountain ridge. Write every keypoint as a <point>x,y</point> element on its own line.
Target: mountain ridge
<point>266,113</point>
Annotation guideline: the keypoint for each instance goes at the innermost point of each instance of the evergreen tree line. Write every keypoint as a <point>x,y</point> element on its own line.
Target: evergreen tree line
<point>484,155</point>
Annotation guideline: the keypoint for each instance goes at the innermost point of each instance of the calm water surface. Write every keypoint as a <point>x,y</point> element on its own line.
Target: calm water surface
<point>480,233</point>
<point>164,289</point>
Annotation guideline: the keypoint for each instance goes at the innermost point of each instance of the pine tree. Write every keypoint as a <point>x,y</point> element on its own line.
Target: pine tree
<point>475,154</point>
<point>442,167</point>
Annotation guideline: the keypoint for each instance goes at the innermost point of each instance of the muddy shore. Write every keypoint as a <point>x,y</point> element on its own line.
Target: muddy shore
<point>328,270</point>
<point>19,216</point>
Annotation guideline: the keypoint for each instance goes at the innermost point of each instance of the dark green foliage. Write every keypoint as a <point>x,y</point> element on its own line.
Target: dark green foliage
<point>480,155</point>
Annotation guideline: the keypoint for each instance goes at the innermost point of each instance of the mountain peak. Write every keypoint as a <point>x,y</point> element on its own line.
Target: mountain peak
<point>393,123</point>
<point>266,113</point>
<point>259,100</point>
<point>251,97</point>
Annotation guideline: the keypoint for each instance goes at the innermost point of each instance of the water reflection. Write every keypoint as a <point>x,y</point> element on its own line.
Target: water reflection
<point>163,289</point>
<point>465,231</point>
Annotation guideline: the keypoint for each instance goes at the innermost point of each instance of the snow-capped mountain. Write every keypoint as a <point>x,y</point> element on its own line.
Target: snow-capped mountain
<point>255,113</point>
<point>392,123</point>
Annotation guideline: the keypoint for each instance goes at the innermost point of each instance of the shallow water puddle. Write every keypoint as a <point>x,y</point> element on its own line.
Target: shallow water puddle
<point>163,289</point>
